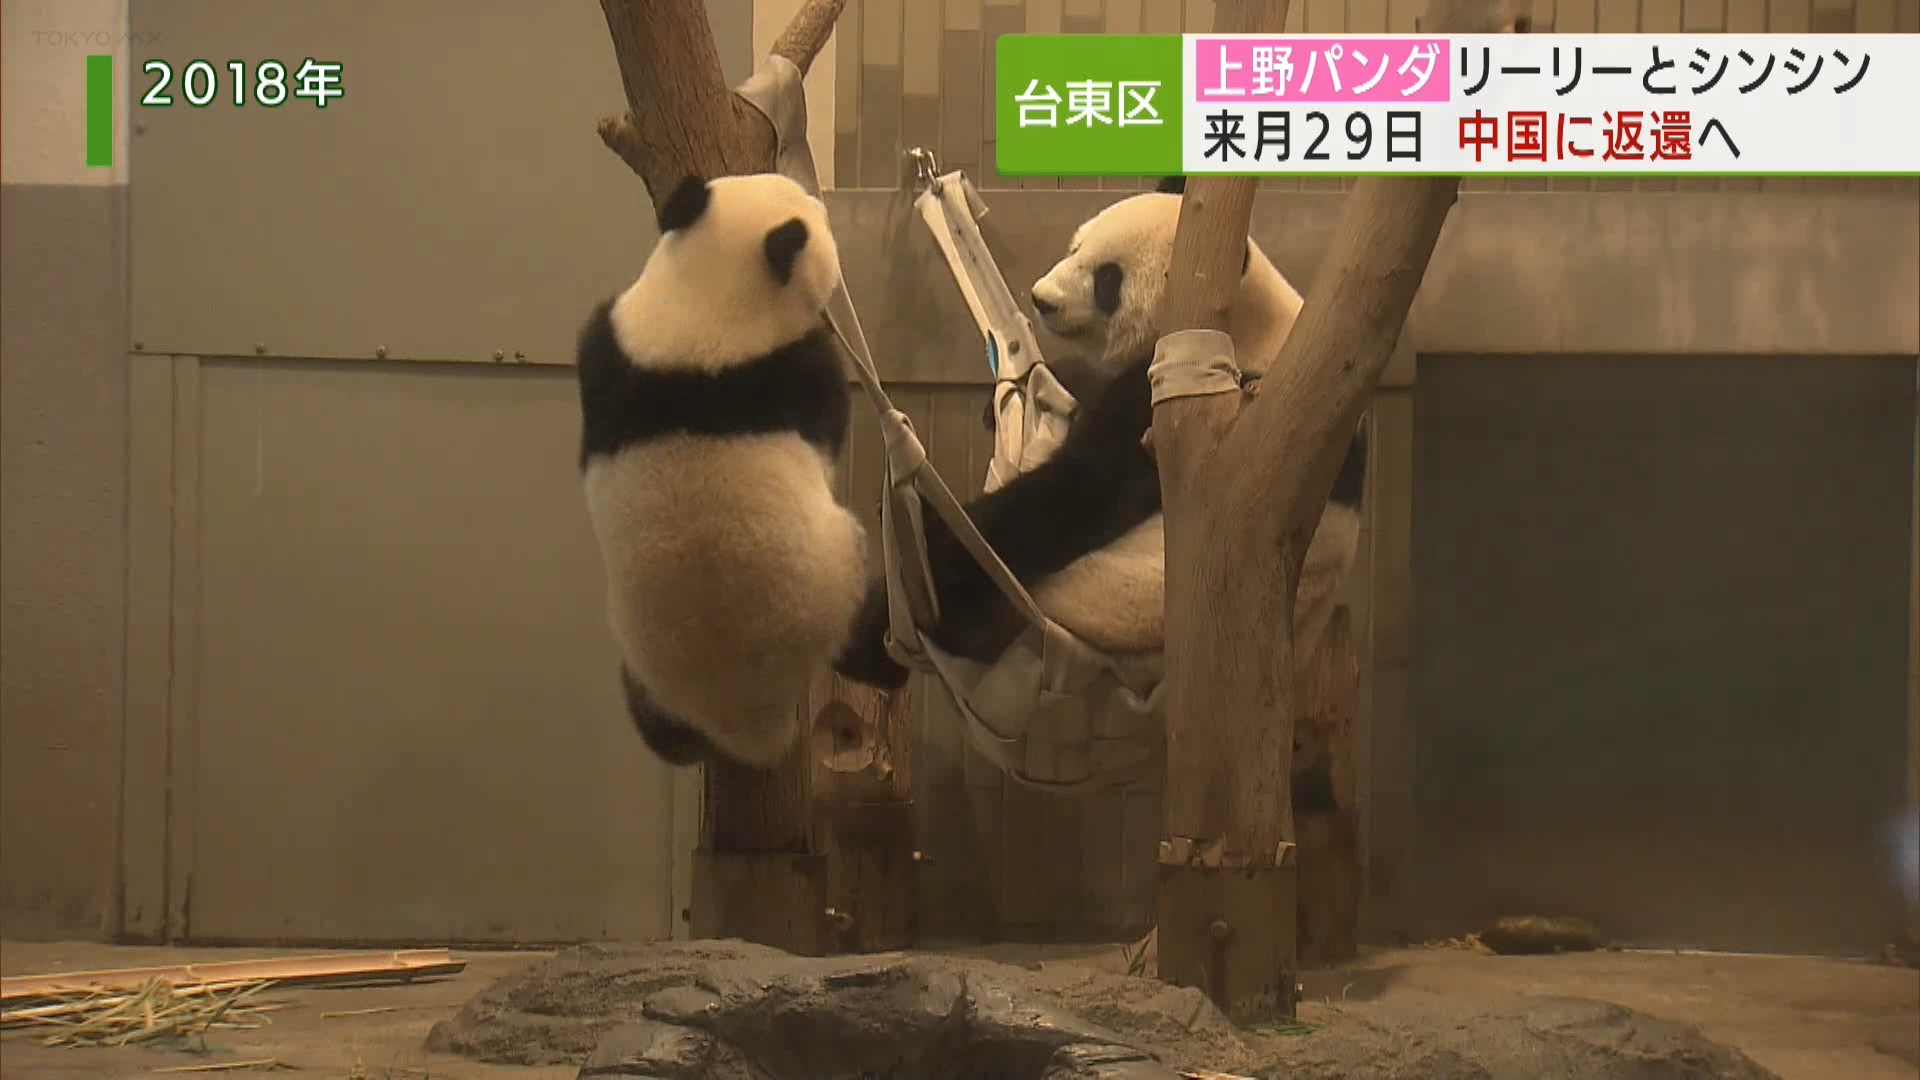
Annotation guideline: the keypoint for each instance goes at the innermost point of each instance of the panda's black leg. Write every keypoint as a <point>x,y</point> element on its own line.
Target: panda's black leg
<point>1313,792</point>
<point>672,739</point>
<point>1350,483</point>
<point>865,658</point>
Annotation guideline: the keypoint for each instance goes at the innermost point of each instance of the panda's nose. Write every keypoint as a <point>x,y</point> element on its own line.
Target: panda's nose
<point>1042,306</point>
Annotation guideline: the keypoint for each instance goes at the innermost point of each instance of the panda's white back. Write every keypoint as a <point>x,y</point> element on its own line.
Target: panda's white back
<point>733,574</point>
<point>714,405</point>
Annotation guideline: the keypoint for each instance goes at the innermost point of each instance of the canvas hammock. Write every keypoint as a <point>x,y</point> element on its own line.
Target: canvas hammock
<point>1051,711</point>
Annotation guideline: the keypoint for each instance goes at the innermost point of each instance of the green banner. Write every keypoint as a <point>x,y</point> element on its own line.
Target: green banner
<point>1087,104</point>
<point>100,111</point>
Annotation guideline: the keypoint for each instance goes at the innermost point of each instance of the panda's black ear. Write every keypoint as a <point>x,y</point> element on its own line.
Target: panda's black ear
<point>1172,185</point>
<point>685,205</point>
<point>784,244</point>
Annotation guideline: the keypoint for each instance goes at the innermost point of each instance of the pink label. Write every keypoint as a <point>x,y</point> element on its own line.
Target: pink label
<point>1320,69</point>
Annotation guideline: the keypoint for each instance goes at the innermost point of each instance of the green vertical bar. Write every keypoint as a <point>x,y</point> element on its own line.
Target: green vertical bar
<point>99,112</point>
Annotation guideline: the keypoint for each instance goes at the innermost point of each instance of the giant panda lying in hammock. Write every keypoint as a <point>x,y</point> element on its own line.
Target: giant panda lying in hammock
<point>1082,530</point>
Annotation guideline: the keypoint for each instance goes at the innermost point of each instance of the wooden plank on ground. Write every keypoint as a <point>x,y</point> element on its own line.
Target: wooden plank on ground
<point>326,968</point>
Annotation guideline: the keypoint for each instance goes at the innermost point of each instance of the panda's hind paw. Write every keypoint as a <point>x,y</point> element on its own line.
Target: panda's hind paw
<point>865,658</point>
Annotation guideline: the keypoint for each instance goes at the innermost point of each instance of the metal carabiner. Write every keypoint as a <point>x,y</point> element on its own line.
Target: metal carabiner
<point>926,169</point>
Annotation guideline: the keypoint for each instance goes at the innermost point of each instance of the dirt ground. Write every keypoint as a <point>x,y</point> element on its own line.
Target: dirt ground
<point>1803,1019</point>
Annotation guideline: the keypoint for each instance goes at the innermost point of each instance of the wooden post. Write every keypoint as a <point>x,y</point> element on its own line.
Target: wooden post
<point>863,814</point>
<point>761,872</point>
<point>1236,538</point>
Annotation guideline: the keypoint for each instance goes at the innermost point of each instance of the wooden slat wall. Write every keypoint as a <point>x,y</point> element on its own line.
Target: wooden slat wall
<point>909,79</point>
<point>1006,860</point>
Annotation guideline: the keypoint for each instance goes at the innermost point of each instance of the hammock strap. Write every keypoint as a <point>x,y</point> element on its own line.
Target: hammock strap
<point>776,90</point>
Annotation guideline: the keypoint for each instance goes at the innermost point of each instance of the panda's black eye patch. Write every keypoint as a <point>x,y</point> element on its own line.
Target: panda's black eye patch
<point>784,245</point>
<point>1107,278</point>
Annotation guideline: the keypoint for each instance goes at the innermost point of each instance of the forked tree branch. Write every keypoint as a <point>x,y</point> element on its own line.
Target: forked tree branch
<point>1236,537</point>
<point>1243,480</point>
<point>1293,434</point>
<point>681,117</point>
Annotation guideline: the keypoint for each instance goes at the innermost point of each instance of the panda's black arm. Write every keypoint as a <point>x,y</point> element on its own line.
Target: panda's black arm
<point>976,620</point>
<point>1098,485</point>
<point>865,658</point>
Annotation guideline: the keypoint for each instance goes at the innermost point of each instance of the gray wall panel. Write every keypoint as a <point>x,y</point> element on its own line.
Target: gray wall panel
<point>390,695</point>
<point>1660,665</point>
<point>63,467</point>
<point>455,202</point>
<point>407,721</point>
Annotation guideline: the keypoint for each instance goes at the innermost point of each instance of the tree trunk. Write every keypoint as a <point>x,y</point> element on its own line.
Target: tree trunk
<point>1236,538</point>
<point>764,871</point>
<point>1227,889</point>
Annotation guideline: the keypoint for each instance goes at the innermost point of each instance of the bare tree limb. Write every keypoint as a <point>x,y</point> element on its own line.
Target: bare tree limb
<point>681,117</point>
<point>1294,431</point>
<point>808,32</point>
<point>620,136</point>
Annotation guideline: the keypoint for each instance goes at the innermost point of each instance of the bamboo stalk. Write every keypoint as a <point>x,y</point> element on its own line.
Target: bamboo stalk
<point>157,1010</point>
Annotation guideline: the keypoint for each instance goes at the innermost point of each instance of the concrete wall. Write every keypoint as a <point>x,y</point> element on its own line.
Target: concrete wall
<point>326,663</point>
<point>63,475</point>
